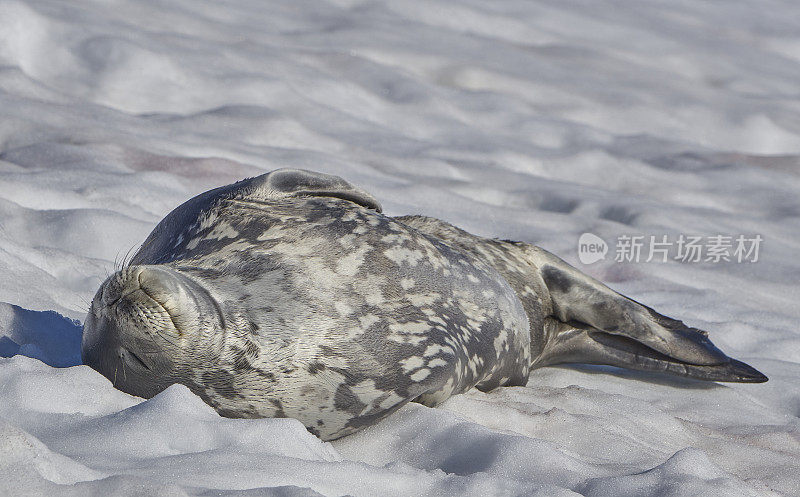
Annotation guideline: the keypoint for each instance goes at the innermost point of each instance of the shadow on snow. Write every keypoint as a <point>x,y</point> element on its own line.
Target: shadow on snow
<point>44,335</point>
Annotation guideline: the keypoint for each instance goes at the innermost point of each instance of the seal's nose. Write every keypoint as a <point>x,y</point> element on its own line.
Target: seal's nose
<point>122,283</point>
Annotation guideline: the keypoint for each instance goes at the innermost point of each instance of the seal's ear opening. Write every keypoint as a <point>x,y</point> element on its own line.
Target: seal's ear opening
<point>302,183</point>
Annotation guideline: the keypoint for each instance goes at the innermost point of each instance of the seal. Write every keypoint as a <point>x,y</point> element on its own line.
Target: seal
<point>291,294</point>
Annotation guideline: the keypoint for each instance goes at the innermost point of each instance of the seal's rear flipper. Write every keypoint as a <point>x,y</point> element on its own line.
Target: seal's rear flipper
<point>579,343</point>
<point>599,326</point>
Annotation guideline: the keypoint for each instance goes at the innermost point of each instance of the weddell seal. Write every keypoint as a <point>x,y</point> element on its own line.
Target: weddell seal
<point>290,294</point>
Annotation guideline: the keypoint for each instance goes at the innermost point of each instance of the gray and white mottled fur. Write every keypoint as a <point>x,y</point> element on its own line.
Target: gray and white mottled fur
<point>290,294</point>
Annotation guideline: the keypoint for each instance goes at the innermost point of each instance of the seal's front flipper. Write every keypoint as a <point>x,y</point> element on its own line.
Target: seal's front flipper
<point>287,183</point>
<point>579,343</point>
<point>598,325</point>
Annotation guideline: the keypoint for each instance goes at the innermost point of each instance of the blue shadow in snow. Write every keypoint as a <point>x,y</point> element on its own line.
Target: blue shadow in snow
<point>44,335</point>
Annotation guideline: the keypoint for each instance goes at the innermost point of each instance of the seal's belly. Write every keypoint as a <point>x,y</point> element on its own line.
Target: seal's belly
<point>354,314</point>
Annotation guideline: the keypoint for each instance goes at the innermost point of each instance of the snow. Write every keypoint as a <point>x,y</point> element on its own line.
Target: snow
<point>530,120</point>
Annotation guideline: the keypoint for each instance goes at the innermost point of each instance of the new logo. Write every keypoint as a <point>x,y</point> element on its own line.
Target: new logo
<point>591,248</point>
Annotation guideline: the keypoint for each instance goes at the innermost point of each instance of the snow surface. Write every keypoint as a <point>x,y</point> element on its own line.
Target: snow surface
<point>530,120</point>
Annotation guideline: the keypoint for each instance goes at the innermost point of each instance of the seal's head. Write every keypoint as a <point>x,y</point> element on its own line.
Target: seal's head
<point>149,326</point>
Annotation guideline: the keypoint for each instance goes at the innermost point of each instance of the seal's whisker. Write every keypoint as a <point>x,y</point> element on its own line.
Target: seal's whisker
<point>126,261</point>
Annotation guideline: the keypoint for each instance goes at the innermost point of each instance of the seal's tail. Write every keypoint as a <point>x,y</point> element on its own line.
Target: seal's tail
<point>584,321</point>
